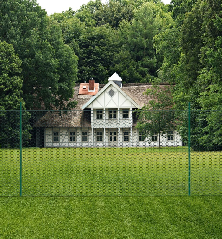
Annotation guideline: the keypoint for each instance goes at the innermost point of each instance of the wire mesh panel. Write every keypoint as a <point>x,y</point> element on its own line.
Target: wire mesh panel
<point>9,153</point>
<point>206,173</point>
<point>104,171</point>
<point>110,153</point>
<point>102,153</point>
<point>206,152</point>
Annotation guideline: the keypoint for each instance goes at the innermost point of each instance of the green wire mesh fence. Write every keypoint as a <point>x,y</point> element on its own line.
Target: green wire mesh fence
<point>110,153</point>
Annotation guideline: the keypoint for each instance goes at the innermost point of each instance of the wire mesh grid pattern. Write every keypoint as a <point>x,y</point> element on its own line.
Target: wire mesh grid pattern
<point>58,159</point>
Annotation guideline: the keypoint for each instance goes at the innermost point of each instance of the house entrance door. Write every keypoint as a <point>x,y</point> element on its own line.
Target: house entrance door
<point>113,138</point>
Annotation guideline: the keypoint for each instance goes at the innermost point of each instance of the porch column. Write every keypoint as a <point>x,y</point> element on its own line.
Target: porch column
<point>131,136</point>
<point>119,139</point>
<point>92,136</point>
<point>92,127</point>
<point>104,130</point>
<point>104,137</point>
<point>131,127</point>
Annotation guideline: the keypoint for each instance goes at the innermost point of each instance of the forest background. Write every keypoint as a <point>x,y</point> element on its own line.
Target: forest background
<point>144,41</point>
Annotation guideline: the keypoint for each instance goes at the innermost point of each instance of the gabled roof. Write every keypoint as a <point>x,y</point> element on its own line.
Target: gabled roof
<point>102,91</point>
<point>78,117</point>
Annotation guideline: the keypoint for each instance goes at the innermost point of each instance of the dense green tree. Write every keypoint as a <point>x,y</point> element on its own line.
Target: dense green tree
<point>179,8</point>
<point>50,69</point>
<point>10,98</point>
<point>201,45</point>
<point>47,71</point>
<point>113,12</point>
<point>196,68</point>
<point>87,13</point>
<point>138,60</point>
<point>10,78</point>
<point>97,49</point>
<point>116,36</point>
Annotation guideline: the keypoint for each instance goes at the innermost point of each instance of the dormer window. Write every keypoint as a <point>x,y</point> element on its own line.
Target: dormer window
<point>84,87</point>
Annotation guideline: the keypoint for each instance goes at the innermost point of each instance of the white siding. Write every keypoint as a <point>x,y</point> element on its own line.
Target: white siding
<point>105,122</point>
<point>92,140</point>
<point>118,100</point>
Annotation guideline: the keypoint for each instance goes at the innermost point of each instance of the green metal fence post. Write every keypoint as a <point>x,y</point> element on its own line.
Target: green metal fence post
<point>189,159</point>
<point>20,149</point>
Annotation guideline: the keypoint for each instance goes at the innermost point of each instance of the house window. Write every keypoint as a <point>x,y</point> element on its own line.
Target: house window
<point>112,114</point>
<point>99,114</point>
<point>154,137</point>
<point>125,114</point>
<point>170,135</point>
<point>84,136</point>
<point>141,136</point>
<point>72,136</point>
<point>55,136</point>
<point>113,136</point>
<point>126,136</point>
<point>99,136</point>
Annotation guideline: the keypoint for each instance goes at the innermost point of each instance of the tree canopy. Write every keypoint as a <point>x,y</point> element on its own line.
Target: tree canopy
<point>49,67</point>
<point>10,98</point>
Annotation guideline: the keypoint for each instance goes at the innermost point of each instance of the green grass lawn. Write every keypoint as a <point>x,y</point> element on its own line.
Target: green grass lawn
<point>111,217</point>
<point>120,193</point>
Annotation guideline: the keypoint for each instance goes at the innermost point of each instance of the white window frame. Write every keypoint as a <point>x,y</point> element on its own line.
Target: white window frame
<point>126,113</point>
<point>99,114</point>
<point>170,136</point>
<point>84,134</point>
<point>71,136</point>
<point>53,136</point>
<point>99,135</point>
<point>112,113</point>
<point>154,137</point>
<point>126,135</point>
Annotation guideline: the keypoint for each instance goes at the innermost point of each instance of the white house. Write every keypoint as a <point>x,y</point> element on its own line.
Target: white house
<point>105,116</point>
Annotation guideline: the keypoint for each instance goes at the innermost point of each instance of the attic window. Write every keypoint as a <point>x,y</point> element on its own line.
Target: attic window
<point>111,92</point>
<point>84,87</point>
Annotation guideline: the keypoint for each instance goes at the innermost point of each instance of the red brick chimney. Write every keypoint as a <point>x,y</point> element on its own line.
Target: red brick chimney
<point>91,85</point>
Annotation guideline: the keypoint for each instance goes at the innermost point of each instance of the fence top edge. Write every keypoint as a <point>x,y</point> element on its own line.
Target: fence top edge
<point>158,110</point>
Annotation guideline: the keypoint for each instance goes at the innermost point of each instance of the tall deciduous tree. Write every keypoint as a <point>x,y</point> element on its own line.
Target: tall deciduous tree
<point>138,60</point>
<point>10,97</point>
<point>197,70</point>
<point>10,78</point>
<point>97,49</point>
<point>47,73</point>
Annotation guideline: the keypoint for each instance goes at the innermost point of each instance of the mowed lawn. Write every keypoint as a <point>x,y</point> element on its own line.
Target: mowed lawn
<point>110,193</point>
<point>111,217</point>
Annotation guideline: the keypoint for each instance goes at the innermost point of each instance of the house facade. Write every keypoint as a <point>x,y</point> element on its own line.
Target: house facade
<point>105,116</point>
